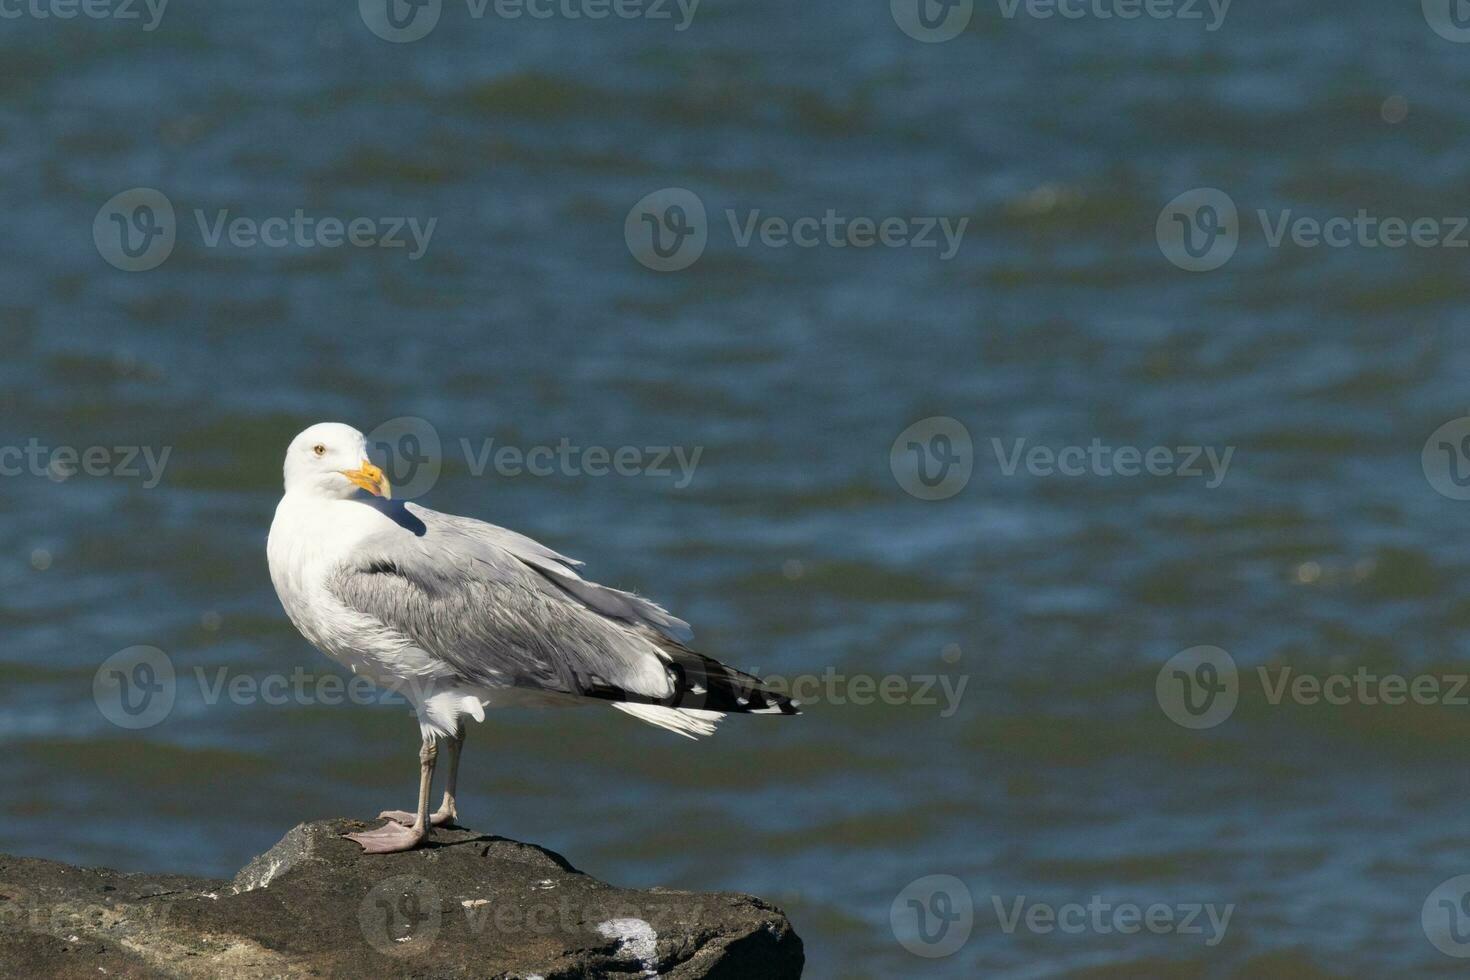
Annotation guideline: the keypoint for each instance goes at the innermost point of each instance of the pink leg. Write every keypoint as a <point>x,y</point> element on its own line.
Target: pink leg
<point>393,836</point>
<point>448,812</point>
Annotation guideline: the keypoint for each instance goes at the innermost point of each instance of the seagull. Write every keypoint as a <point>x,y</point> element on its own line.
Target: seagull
<point>459,615</point>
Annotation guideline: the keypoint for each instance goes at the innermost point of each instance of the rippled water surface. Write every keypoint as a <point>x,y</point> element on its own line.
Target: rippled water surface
<point>1053,775</point>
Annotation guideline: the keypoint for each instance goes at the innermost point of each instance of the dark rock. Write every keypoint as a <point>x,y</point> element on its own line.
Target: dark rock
<point>469,905</point>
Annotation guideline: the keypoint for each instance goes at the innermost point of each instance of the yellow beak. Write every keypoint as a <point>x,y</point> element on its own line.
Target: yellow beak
<point>371,479</point>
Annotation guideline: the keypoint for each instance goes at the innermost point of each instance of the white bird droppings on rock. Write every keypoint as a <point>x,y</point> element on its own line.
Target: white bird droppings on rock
<point>636,939</point>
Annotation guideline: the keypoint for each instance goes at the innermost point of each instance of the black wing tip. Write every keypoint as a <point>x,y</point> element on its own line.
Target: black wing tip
<point>703,682</point>
<point>737,695</point>
<point>777,705</point>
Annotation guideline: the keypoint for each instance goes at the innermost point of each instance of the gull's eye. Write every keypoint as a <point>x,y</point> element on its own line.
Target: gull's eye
<point>319,449</point>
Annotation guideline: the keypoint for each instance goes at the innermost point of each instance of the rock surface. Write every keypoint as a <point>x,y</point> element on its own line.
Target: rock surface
<point>471,905</point>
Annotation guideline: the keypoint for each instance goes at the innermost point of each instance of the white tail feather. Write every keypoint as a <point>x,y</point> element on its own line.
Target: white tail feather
<point>689,722</point>
<point>473,707</point>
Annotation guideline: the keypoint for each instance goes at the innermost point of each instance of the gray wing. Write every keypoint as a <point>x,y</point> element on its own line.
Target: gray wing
<point>562,571</point>
<point>501,610</point>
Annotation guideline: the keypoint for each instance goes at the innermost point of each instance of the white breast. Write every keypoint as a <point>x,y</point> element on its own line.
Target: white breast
<point>310,538</point>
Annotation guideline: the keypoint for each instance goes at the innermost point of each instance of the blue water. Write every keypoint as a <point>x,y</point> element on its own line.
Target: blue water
<point>793,548</point>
